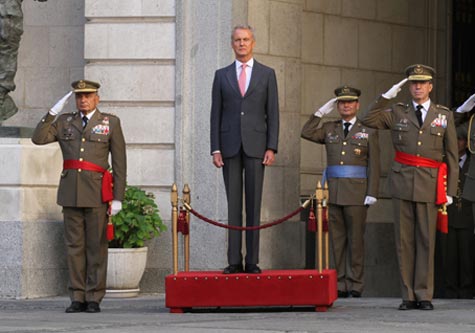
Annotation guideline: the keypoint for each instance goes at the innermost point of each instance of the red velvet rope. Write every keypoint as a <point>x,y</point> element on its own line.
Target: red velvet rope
<point>258,227</point>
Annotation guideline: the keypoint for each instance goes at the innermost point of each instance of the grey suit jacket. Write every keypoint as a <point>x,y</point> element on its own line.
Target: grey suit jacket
<point>250,121</point>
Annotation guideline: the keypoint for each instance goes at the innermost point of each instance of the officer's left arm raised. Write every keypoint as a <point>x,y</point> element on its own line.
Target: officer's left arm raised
<point>46,131</point>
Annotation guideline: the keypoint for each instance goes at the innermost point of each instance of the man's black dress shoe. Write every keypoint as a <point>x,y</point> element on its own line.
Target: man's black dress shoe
<point>342,294</point>
<point>408,305</point>
<point>93,307</point>
<point>253,269</point>
<point>426,305</point>
<point>76,307</point>
<point>233,269</point>
<point>355,293</point>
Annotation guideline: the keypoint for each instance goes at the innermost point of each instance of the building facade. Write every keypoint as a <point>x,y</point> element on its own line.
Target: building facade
<point>155,60</point>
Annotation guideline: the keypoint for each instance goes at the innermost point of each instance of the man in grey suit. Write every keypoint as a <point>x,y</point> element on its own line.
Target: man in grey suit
<point>244,137</point>
<point>423,135</point>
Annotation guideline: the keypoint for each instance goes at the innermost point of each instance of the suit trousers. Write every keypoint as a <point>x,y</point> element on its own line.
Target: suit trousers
<point>86,246</point>
<point>415,227</point>
<point>347,226</point>
<point>250,169</point>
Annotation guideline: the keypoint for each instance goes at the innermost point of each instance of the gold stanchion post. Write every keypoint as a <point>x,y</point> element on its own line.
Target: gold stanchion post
<point>186,238</point>
<point>319,197</point>
<point>174,202</point>
<point>327,243</point>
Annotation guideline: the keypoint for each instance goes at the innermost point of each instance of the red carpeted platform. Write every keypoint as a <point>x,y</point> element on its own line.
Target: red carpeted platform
<point>187,290</point>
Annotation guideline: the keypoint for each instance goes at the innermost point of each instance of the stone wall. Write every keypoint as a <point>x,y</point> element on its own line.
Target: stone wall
<point>130,49</point>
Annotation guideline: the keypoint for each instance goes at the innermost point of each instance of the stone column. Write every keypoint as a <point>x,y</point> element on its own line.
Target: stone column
<point>130,50</point>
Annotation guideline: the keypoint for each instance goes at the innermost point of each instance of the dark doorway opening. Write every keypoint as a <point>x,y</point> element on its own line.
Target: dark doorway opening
<point>463,51</point>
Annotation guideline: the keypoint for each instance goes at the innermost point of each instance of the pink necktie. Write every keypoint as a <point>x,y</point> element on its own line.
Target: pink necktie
<point>242,80</point>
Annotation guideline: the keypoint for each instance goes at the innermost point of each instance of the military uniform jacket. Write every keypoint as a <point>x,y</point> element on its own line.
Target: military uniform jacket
<point>435,139</point>
<point>466,122</point>
<point>460,212</point>
<point>102,135</point>
<point>360,148</point>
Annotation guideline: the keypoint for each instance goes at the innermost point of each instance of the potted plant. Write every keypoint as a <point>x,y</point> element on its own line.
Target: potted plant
<point>138,221</point>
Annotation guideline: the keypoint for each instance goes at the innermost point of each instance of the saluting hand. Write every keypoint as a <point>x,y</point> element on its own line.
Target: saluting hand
<point>467,105</point>
<point>326,108</point>
<point>58,107</point>
<point>392,93</point>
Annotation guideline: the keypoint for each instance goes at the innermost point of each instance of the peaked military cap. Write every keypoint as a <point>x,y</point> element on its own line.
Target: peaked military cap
<point>346,93</point>
<point>419,72</point>
<point>85,86</point>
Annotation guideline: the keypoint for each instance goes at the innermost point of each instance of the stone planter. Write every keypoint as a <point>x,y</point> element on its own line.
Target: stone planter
<point>125,268</point>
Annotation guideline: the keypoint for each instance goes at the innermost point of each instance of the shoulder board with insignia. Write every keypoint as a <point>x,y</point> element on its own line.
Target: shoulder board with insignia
<point>69,113</point>
<point>109,114</point>
<point>442,107</point>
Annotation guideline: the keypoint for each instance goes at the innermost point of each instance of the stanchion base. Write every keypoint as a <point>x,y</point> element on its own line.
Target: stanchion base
<point>187,290</point>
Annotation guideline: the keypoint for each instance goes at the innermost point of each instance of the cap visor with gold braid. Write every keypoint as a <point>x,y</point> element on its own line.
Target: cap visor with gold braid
<point>346,93</point>
<point>85,86</point>
<point>419,72</point>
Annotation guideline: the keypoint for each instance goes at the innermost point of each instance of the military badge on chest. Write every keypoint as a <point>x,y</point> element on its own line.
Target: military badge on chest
<point>102,128</point>
<point>360,135</point>
<point>332,137</point>
<point>67,131</point>
<point>440,121</point>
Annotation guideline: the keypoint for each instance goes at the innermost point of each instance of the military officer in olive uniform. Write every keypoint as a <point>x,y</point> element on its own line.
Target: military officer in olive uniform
<point>459,269</point>
<point>353,178</point>
<point>423,134</point>
<point>86,139</point>
<point>464,120</point>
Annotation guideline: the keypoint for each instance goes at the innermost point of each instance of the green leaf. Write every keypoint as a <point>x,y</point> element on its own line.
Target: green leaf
<point>139,219</point>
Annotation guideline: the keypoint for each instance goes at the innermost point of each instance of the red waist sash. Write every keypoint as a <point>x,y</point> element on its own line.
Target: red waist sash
<point>107,194</point>
<point>417,161</point>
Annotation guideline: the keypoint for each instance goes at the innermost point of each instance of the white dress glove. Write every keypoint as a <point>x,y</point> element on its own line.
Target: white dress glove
<point>450,200</point>
<point>326,108</point>
<point>115,207</point>
<point>369,200</point>
<point>391,93</point>
<point>467,105</point>
<point>58,107</point>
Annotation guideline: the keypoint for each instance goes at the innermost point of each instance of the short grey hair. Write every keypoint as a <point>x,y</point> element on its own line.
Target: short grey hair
<point>243,27</point>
